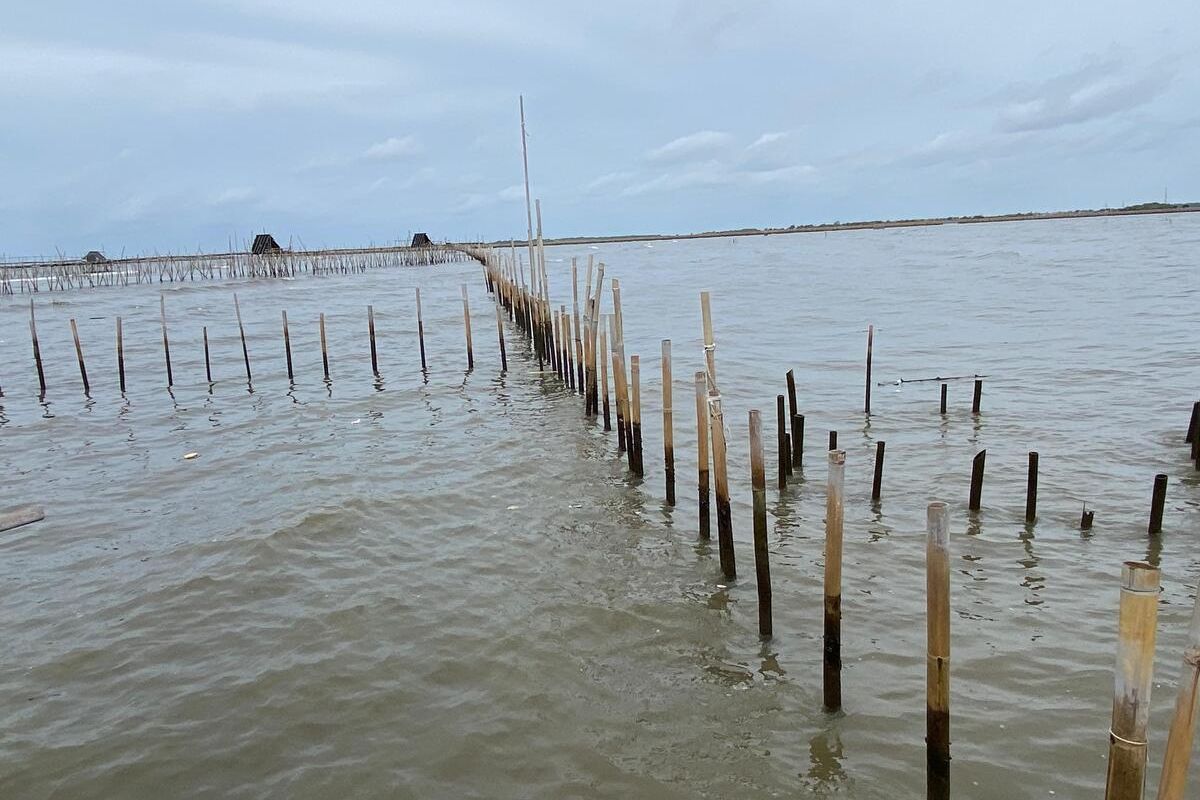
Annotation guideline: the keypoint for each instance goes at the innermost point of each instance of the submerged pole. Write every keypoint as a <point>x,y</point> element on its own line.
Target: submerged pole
<point>120,356</point>
<point>781,441</point>
<point>500,336</point>
<point>1157,501</point>
<point>870,349</point>
<point>1134,678</point>
<point>421,323</point>
<point>797,441</point>
<point>324,347</point>
<point>1031,486</point>
<point>37,352</point>
<point>604,357</point>
<point>793,411</point>
<point>721,476</point>
<point>937,669</point>
<point>942,408</point>
<point>877,483</point>
<point>832,651</point>
<point>976,401</point>
<point>702,453</point>
<point>668,423</point>
<point>635,414</point>
<point>977,465</point>
<point>762,566</point>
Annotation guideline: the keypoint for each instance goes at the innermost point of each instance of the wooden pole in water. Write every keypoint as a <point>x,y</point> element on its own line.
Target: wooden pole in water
<point>1193,423</point>
<point>87,390</point>
<point>604,357</point>
<point>467,328</point>
<point>668,423</point>
<point>710,344</point>
<point>1085,519</point>
<point>1157,500</point>
<point>870,349</point>
<point>207,363</point>
<point>120,356</point>
<point>37,352</point>
<point>833,440</point>
<point>793,410</point>
<point>371,333</point>
<point>1178,754</point>
<point>721,478</point>
<point>1137,627</point>
<point>781,441</point>
<point>977,465</point>
<point>1031,486</point>
<point>242,332</point>
<point>287,348</point>
<point>162,308</point>
<point>758,482</point>
<point>324,347</point>
<point>500,336</point>
<point>702,453</point>
<point>421,322</point>
<point>797,441</point>
<point>937,669</point>
<point>977,399</point>
<point>635,414</point>
<point>877,483</point>
<point>832,672</point>
<point>943,403</point>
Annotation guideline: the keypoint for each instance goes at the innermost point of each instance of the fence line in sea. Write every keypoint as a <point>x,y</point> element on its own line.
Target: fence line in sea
<point>582,347</point>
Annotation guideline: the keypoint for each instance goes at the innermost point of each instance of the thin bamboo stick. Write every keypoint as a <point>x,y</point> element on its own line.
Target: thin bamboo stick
<point>1031,487</point>
<point>877,482</point>
<point>87,390</point>
<point>635,413</point>
<point>120,356</point>
<point>162,308</point>
<point>604,357</point>
<point>467,328</point>
<point>371,333</point>
<point>668,423</point>
<point>710,344</point>
<point>702,453</point>
<point>324,347</point>
<point>870,350</point>
<point>937,670</point>
<point>242,332</point>
<point>721,478</point>
<point>781,441</point>
<point>1134,678</point>
<point>287,348</point>
<point>832,672</point>
<point>500,336</point>
<point>207,363</point>
<point>421,322</point>
<point>758,483</point>
<point>1178,754</point>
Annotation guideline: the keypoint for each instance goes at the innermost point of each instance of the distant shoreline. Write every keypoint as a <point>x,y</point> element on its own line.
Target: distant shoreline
<point>1147,208</point>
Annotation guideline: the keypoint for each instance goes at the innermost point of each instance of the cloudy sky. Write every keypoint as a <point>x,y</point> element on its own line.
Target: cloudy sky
<point>341,123</point>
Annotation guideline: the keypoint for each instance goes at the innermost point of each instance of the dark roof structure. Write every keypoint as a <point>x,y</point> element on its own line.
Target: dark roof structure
<point>421,240</point>
<point>95,257</point>
<point>265,244</point>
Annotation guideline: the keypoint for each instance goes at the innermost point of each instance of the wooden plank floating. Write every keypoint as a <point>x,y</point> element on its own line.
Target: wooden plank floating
<point>762,565</point>
<point>668,424</point>
<point>832,649</point>
<point>87,390</point>
<point>1137,626</point>
<point>937,671</point>
<point>22,515</point>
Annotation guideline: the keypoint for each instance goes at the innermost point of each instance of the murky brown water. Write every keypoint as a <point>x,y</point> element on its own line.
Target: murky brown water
<point>453,589</point>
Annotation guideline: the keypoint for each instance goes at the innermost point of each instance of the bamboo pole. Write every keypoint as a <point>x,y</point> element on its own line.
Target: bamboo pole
<point>120,356</point>
<point>500,336</point>
<point>421,322</point>
<point>37,352</point>
<point>635,414</point>
<point>702,453</point>
<point>668,423</point>
<point>287,348</point>
<point>877,483</point>
<point>618,374</point>
<point>87,390</point>
<point>467,328</point>
<point>242,332</point>
<point>710,344</point>
<point>604,375</point>
<point>162,308</point>
<point>870,349</point>
<point>977,465</point>
<point>832,672</point>
<point>578,333</point>
<point>781,441</point>
<point>324,347</point>
<point>762,565</point>
<point>1134,678</point>
<point>976,401</point>
<point>937,669</point>
<point>371,333</point>
<point>793,410</point>
<point>1031,487</point>
<point>797,441</point>
<point>721,479</point>
<point>207,363</point>
<point>942,407</point>
<point>1157,501</point>
<point>1178,754</point>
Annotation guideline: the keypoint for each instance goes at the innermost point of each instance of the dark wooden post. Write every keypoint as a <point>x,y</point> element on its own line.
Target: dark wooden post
<point>87,390</point>
<point>877,483</point>
<point>977,479</point>
<point>781,438</point>
<point>870,348</point>
<point>758,482</point>
<point>1157,501</point>
<point>120,356</point>
<point>943,404</point>
<point>1031,486</point>
<point>977,399</point>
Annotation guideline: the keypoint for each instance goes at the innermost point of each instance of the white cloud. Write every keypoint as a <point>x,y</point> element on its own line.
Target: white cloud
<point>393,147</point>
<point>691,147</point>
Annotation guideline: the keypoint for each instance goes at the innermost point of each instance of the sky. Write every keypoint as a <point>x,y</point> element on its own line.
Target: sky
<point>171,127</point>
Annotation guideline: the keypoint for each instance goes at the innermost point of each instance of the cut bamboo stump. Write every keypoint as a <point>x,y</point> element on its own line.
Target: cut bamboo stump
<point>1134,678</point>
<point>162,308</point>
<point>287,348</point>
<point>702,454</point>
<point>832,650</point>
<point>120,355</point>
<point>937,670</point>
<point>87,390</point>
<point>1178,754</point>
<point>1157,501</point>
<point>977,465</point>
<point>1031,487</point>
<point>721,479</point>
<point>758,482</point>
<point>977,400</point>
<point>710,344</point>
<point>877,482</point>
<point>1086,519</point>
<point>668,423</point>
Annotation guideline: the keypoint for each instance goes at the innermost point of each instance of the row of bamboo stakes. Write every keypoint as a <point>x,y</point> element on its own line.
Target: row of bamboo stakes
<point>576,347</point>
<point>62,275</point>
